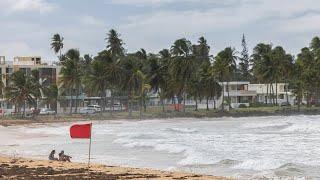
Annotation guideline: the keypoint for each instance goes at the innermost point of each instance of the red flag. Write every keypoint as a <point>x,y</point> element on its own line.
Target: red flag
<point>81,131</point>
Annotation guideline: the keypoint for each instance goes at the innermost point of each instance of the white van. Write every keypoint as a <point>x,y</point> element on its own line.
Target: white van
<point>97,108</point>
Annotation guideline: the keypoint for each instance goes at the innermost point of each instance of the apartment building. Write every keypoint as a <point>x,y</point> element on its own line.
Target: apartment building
<point>280,90</point>
<point>47,73</point>
<point>238,92</point>
<point>246,93</point>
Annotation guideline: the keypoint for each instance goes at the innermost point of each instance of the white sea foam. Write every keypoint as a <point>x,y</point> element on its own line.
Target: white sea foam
<point>261,164</point>
<point>49,130</point>
<point>182,130</point>
<point>267,124</point>
<point>307,127</point>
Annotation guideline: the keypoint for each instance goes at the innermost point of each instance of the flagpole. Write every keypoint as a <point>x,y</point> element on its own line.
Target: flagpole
<point>90,146</point>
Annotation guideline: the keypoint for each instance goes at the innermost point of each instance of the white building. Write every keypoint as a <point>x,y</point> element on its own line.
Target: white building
<point>26,64</point>
<point>239,93</point>
<point>263,90</point>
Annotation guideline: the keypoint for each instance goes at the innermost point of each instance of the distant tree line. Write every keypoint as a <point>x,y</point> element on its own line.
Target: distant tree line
<point>183,71</point>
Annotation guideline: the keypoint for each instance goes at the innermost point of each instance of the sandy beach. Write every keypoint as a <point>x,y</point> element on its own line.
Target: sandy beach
<point>17,168</point>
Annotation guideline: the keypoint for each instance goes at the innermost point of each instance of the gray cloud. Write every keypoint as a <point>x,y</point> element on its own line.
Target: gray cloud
<point>12,6</point>
<point>290,23</point>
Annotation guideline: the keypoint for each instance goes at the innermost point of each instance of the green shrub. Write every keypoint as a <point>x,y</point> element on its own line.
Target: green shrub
<point>257,104</point>
<point>242,106</point>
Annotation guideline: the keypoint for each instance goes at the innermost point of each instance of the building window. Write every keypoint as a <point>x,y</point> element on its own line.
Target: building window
<point>281,96</point>
<point>9,70</point>
<point>38,60</point>
<point>27,71</point>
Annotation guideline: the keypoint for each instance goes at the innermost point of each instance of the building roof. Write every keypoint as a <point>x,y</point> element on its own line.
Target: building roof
<point>236,82</point>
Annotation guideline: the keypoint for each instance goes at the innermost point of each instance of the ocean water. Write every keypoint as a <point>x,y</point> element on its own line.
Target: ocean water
<point>243,148</point>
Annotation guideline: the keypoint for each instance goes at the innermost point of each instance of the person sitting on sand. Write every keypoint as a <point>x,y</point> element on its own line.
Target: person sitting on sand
<point>63,157</point>
<point>51,156</point>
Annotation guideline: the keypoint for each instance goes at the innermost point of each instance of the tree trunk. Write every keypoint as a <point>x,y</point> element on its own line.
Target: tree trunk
<point>270,94</point>
<point>222,107</point>
<point>272,90</point>
<point>308,99</point>
<point>71,101</point>
<point>144,104</point>
<point>229,101</point>
<point>102,103</point>
<point>196,99</point>
<point>140,108</point>
<point>24,109</point>
<point>287,96</point>
<point>299,100</point>
<point>77,97</point>
<point>316,95</point>
<point>111,104</point>
<point>184,102</point>
<point>162,103</point>
<point>174,104</point>
<point>120,100</point>
<point>129,105</point>
<point>207,103</point>
<point>276,93</point>
<point>267,94</point>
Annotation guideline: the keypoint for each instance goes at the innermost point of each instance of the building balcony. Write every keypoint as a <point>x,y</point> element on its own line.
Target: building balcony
<point>240,93</point>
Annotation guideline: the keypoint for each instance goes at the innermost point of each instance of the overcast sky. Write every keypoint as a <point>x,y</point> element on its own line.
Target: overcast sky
<point>26,26</point>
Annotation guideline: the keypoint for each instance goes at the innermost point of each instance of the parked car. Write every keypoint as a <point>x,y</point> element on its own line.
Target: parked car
<point>116,107</point>
<point>47,111</point>
<point>97,108</point>
<point>282,104</point>
<point>87,110</point>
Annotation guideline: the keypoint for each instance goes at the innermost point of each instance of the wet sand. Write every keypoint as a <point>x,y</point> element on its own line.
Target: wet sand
<point>22,168</point>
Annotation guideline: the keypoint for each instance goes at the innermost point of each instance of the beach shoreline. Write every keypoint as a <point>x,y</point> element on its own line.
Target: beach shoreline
<point>17,167</point>
<point>9,121</point>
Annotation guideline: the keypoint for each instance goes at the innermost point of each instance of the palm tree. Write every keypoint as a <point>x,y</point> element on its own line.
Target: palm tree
<point>51,95</point>
<point>164,53</point>
<point>157,73</point>
<point>262,65</point>
<point>142,54</point>
<point>315,49</point>
<point>131,79</point>
<point>315,44</point>
<point>201,57</point>
<point>181,47</point>
<point>297,81</point>
<point>143,89</point>
<point>160,78</point>
<point>21,90</point>
<point>97,80</point>
<point>287,69</point>
<point>225,65</point>
<point>210,85</point>
<point>220,68</point>
<point>114,44</point>
<point>201,51</point>
<point>57,44</point>
<point>182,66</point>
<point>309,69</point>
<point>71,75</point>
